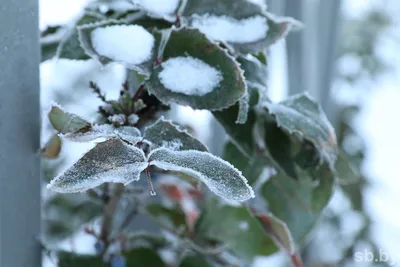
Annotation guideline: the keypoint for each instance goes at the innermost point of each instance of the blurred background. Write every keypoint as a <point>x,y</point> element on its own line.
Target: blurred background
<point>347,57</point>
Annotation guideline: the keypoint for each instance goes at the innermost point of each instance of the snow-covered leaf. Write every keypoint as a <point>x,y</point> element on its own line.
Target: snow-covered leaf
<point>164,133</point>
<point>162,9</point>
<point>65,122</point>
<point>196,72</point>
<point>127,133</point>
<point>302,117</point>
<point>236,228</point>
<point>220,176</point>
<point>52,148</point>
<point>109,161</point>
<point>108,41</point>
<point>256,73</point>
<point>70,46</point>
<point>299,203</point>
<point>245,26</point>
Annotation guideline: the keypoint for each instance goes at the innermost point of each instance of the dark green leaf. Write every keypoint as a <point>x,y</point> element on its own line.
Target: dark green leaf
<point>220,176</point>
<point>67,259</point>
<point>195,260</point>
<point>164,133</point>
<point>302,117</point>
<point>191,46</point>
<point>236,228</point>
<point>109,161</point>
<point>48,50</point>
<point>167,217</point>
<point>66,122</point>
<point>299,203</point>
<point>145,257</point>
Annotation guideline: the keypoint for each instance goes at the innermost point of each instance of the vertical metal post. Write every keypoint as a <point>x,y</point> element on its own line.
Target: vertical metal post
<point>19,134</point>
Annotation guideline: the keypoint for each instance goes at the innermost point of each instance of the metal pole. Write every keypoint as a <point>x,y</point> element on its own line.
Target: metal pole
<point>19,134</point>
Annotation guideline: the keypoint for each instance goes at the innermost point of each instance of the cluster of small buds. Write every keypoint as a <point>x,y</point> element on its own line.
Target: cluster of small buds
<point>117,119</point>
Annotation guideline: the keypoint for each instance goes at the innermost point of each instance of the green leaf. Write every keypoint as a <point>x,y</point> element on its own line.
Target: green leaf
<point>345,171</point>
<point>70,46</point>
<point>48,50</point>
<point>66,122</point>
<point>236,228</point>
<point>138,54</point>
<point>129,134</point>
<point>52,148</point>
<point>302,117</point>
<point>220,176</point>
<point>143,257</point>
<point>171,218</point>
<point>109,161</point>
<point>299,203</point>
<point>164,133</point>
<point>255,72</point>
<point>68,259</point>
<point>195,260</point>
<point>232,23</point>
<point>192,48</point>
<point>251,168</point>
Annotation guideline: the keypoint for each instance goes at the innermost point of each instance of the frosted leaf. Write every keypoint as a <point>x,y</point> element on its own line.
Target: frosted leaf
<point>112,41</point>
<point>127,133</point>
<point>110,161</point>
<point>189,76</point>
<point>231,30</point>
<point>164,133</point>
<point>52,148</point>
<point>66,122</point>
<point>133,119</point>
<point>197,73</point>
<point>164,7</point>
<point>220,176</point>
<point>300,115</point>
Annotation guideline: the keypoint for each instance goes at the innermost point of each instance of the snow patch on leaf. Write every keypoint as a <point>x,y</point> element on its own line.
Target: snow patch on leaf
<point>231,30</point>
<point>175,144</point>
<point>164,7</point>
<point>189,76</point>
<point>220,176</point>
<point>123,43</point>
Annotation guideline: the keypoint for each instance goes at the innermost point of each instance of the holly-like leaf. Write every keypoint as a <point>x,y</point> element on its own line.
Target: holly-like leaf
<point>70,46</point>
<point>220,176</point>
<point>126,133</point>
<point>115,41</point>
<point>65,122</point>
<point>109,161</point>
<point>236,228</point>
<point>302,117</point>
<point>143,257</point>
<point>68,259</point>
<point>164,133</point>
<point>52,148</point>
<point>244,26</point>
<point>196,72</point>
<point>299,203</point>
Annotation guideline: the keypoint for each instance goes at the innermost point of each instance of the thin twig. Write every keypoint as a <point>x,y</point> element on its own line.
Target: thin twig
<point>98,92</point>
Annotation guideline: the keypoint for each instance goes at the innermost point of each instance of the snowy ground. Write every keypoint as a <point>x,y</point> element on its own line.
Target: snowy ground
<point>378,122</point>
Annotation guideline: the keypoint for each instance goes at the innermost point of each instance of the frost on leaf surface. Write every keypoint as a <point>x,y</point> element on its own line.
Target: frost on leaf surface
<point>157,7</point>
<point>164,133</point>
<point>196,73</point>
<point>109,161</point>
<point>189,76</point>
<point>66,122</point>
<point>220,176</point>
<point>231,30</point>
<point>131,45</point>
<point>127,133</point>
<point>303,117</point>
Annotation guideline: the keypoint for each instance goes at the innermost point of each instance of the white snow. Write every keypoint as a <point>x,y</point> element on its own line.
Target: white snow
<point>228,29</point>
<point>164,7</point>
<point>117,118</point>
<point>130,44</point>
<point>189,76</point>
<point>243,225</point>
<point>133,119</point>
